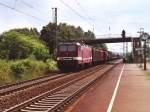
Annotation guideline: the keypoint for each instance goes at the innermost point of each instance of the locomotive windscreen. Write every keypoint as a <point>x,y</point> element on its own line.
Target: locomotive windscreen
<point>64,48</point>
<point>71,47</point>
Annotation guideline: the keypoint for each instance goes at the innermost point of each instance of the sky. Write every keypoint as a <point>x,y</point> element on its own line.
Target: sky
<point>107,18</point>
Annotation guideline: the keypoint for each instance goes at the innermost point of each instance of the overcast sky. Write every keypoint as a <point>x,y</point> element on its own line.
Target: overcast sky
<point>105,16</point>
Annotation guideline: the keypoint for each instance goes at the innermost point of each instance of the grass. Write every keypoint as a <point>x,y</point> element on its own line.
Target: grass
<point>19,70</point>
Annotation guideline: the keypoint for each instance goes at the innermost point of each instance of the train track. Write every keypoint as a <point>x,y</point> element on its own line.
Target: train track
<point>55,99</point>
<point>10,88</point>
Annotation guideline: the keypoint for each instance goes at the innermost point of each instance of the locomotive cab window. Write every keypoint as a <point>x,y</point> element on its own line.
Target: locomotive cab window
<point>71,48</point>
<point>62,48</point>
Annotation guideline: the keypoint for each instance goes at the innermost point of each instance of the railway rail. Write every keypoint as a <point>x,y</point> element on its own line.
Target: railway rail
<point>7,85</point>
<point>10,88</point>
<point>57,98</point>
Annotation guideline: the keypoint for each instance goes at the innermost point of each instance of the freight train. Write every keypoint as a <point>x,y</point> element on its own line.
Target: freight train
<point>76,55</point>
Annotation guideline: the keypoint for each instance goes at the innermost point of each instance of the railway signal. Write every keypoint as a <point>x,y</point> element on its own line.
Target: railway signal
<point>123,34</point>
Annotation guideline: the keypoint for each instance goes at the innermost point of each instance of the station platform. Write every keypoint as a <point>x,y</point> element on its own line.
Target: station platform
<point>126,88</point>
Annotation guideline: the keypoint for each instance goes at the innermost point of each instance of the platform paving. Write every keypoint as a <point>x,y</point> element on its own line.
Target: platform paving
<point>134,91</point>
<point>132,94</point>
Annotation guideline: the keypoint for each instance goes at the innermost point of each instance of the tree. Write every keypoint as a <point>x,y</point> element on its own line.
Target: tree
<point>48,35</point>
<point>15,45</point>
<point>64,33</point>
<point>28,32</point>
<point>89,35</point>
<point>79,32</point>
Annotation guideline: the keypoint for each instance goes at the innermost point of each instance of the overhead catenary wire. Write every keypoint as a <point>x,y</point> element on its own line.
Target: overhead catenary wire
<point>15,2</point>
<point>76,12</point>
<point>27,4</point>
<point>83,10</point>
<point>31,6</point>
<point>24,13</point>
<point>90,19</point>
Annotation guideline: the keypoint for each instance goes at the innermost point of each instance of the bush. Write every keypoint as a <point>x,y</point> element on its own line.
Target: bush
<point>12,71</point>
<point>52,65</point>
<point>5,72</point>
<point>15,45</point>
<point>41,54</point>
<point>20,67</point>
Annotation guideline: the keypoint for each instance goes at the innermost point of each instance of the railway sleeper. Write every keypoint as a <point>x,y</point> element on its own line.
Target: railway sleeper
<point>40,106</point>
<point>43,104</point>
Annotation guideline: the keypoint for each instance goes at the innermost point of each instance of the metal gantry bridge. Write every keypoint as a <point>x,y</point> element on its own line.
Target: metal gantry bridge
<point>110,40</point>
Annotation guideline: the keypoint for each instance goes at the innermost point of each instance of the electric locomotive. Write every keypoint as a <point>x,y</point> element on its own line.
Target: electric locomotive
<point>73,55</point>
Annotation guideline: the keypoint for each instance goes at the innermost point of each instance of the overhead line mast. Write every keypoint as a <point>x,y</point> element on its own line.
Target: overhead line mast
<point>54,15</point>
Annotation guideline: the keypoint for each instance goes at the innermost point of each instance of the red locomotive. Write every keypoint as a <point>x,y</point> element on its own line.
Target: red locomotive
<point>75,55</point>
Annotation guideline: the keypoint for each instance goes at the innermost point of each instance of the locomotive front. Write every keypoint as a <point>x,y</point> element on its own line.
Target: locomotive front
<point>67,55</point>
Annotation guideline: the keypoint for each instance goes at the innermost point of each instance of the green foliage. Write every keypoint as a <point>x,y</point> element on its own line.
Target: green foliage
<point>52,65</point>
<point>24,56</point>
<point>20,67</point>
<point>14,45</point>
<point>64,33</point>
<point>28,32</point>
<point>89,35</point>
<point>41,53</point>
<point>68,32</point>
<point>12,71</point>
<point>5,72</point>
<point>48,35</point>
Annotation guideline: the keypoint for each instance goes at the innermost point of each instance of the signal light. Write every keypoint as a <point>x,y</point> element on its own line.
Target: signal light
<point>123,34</point>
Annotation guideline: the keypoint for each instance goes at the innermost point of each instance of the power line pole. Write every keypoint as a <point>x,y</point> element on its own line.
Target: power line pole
<point>127,50</point>
<point>145,37</point>
<point>145,55</point>
<point>54,15</point>
<point>140,45</point>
